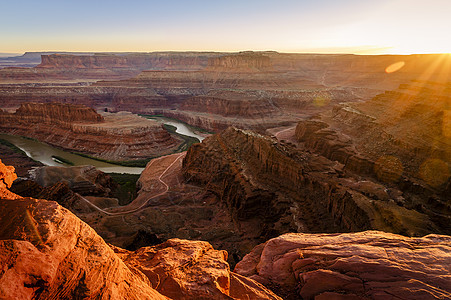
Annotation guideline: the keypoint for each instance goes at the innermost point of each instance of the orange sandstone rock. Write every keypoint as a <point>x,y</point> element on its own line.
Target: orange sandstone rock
<point>364,265</point>
<point>7,176</point>
<point>183,269</point>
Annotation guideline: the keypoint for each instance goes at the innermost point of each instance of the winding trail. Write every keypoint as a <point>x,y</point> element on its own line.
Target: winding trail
<point>120,213</point>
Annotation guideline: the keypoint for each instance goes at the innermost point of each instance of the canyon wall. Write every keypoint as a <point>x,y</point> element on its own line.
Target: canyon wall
<point>244,61</point>
<point>399,138</point>
<point>73,67</point>
<point>138,61</point>
<point>120,136</point>
<point>286,189</point>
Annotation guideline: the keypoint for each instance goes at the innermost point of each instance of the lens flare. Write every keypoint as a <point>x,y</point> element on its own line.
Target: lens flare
<point>394,67</point>
<point>322,99</point>
<point>434,171</point>
<point>38,238</point>
<point>446,124</point>
<point>388,168</point>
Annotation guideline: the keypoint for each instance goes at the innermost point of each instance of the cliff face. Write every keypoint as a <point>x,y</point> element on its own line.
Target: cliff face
<point>364,265</point>
<point>70,67</point>
<point>231,103</point>
<point>58,113</point>
<point>138,61</point>
<point>290,190</point>
<point>78,128</point>
<point>245,61</point>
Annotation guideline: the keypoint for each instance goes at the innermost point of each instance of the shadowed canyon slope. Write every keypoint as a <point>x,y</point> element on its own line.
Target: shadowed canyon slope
<point>288,189</point>
<point>122,136</point>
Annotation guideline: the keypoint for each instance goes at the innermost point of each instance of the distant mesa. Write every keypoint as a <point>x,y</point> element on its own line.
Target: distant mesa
<point>119,136</point>
<point>244,61</point>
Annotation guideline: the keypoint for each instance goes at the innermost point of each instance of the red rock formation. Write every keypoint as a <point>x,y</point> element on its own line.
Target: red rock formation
<point>46,253</point>
<point>182,269</point>
<point>77,128</point>
<point>137,61</point>
<point>7,176</point>
<point>284,189</point>
<point>364,265</point>
<point>70,67</point>
<point>58,113</point>
<point>399,138</point>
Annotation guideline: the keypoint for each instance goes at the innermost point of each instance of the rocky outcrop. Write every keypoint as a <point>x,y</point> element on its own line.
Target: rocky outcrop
<point>46,253</point>
<point>284,189</point>
<point>7,177</point>
<point>121,136</point>
<point>84,180</point>
<point>364,265</point>
<point>182,269</point>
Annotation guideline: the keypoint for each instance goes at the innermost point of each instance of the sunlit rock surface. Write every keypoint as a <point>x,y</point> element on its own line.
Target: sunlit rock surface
<point>364,265</point>
<point>182,269</point>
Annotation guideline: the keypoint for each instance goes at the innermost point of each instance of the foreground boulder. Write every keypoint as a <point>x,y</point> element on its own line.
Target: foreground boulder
<point>183,269</point>
<point>364,265</point>
<point>46,252</point>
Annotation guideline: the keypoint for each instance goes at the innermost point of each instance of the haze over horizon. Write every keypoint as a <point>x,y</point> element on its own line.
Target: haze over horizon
<point>323,26</point>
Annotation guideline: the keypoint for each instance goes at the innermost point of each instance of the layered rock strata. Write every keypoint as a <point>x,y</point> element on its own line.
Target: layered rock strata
<point>120,136</point>
<point>284,189</point>
<point>243,61</point>
<point>364,265</point>
<point>70,67</point>
<point>291,86</point>
<point>399,138</point>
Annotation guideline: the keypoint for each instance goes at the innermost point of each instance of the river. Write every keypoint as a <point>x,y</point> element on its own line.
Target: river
<point>43,152</point>
<point>181,127</point>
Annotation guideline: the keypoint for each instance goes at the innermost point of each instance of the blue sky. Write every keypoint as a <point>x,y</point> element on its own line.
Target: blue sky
<point>383,26</point>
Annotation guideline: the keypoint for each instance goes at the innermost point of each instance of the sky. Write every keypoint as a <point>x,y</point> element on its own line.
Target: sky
<point>324,26</point>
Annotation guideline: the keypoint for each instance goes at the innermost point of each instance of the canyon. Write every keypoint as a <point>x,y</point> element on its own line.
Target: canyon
<point>328,176</point>
<point>77,128</point>
<point>195,87</point>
